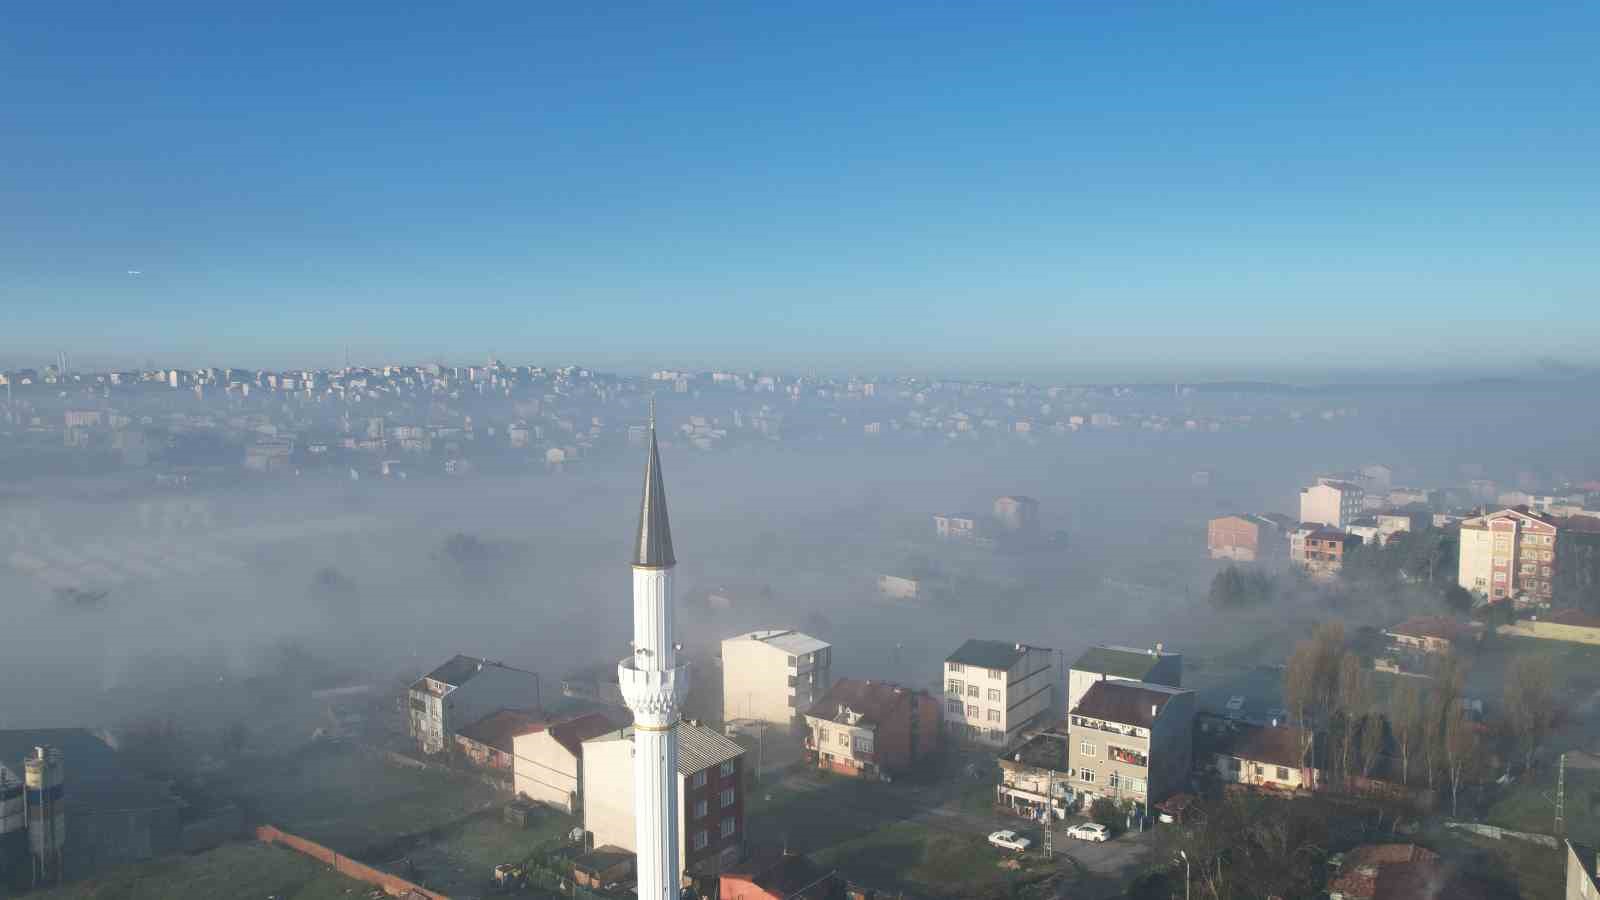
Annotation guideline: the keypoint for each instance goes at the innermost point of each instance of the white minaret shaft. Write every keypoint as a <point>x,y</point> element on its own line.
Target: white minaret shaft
<point>654,685</point>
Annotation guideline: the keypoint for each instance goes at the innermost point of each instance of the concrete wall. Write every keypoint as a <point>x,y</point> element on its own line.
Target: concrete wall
<point>1476,560</point>
<point>1262,774</point>
<point>393,885</point>
<point>608,804</point>
<point>755,682</point>
<point>1553,631</point>
<point>543,771</point>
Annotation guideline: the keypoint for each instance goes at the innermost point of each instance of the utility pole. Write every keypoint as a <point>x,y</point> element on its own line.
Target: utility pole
<point>1049,799</point>
<point>1185,856</point>
<point>1561,796</point>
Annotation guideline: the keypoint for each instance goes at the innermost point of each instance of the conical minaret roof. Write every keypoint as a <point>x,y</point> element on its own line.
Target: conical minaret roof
<point>653,545</point>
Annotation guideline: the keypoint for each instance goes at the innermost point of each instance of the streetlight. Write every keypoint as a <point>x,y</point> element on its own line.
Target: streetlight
<point>1185,873</point>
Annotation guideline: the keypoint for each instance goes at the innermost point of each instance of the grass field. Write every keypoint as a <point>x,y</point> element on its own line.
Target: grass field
<point>1528,806</point>
<point>460,859</point>
<point>356,803</point>
<point>915,858</point>
<point>246,870</point>
<point>1506,868</point>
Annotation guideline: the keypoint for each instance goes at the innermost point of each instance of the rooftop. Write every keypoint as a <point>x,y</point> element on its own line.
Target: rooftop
<point>989,654</point>
<point>1135,703</point>
<point>571,733</point>
<point>852,701</point>
<point>790,876</point>
<point>1280,746</point>
<point>794,643</point>
<point>457,671</point>
<point>499,728</point>
<point>1442,627</point>
<point>699,747</point>
<point>1045,750</point>
<point>1120,662</point>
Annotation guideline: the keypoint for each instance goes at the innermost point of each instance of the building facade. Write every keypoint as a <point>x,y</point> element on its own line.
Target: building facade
<point>1332,503</point>
<point>955,527</point>
<point>440,703</point>
<point>707,786</point>
<point>1017,515</point>
<point>1132,741</point>
<point>1106,662</point>
<point>1509,555</point>
<point>547,765</point>
<point>995,690</point>
<point>1244,538</point>
<point>1281,757</point>
<point>1037,775</point>
<point>869,729</point>
<point>774,676</point>
<point>489,742</point>
<point>1322,550</point>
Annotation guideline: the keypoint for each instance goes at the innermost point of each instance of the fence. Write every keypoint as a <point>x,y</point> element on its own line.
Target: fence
<point>1492,831</point>
<point>393,885</point>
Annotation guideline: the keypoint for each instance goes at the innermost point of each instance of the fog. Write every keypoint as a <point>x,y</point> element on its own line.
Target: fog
<point>210,593</point>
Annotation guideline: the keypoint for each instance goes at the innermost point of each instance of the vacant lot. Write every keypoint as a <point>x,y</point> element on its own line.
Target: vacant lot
<point>234,870</point>
<point>459,860</point>
<point>356,803</point>
<point>1530,804</point>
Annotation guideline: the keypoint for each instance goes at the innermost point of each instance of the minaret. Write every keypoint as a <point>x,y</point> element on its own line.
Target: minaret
<point>653,685</point>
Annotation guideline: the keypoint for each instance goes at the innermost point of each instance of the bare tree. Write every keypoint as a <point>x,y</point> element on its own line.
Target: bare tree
<point>1404,712</point>
<point>1300,692</point>
<point>1461,748</point>
<point>1530,704</point>
<point>1350,702</point>
<point>1372,726</point>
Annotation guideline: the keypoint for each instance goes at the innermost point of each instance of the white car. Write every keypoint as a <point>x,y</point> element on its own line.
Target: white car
<point>1010,840</point>
<point>1235,704</point>
<point>1089,831</point>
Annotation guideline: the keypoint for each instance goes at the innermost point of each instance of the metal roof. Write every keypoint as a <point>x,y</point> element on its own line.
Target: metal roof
<point>1119,662</point>
<point>794,643</point>
<point>1126,702</point>
<point>699,747</point>
<point>652,545</point>
<point>988,654</point>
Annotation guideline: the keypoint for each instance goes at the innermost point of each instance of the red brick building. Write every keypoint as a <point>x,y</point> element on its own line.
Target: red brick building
<point>1245,537</point>
<point>869,728</point>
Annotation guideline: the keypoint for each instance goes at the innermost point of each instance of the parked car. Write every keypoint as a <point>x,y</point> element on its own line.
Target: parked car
<point>1089,831</point>
<point>1235,703</point>
<point>1010,840</point>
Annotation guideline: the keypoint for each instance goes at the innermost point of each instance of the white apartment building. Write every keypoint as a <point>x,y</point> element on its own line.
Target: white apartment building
<point>773,676</point>
<point>1329,502</point>
<point>994,690</point>
<point>1107,662</point>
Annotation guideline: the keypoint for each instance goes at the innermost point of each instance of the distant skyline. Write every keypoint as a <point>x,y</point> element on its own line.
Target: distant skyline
<point>1129,192</point>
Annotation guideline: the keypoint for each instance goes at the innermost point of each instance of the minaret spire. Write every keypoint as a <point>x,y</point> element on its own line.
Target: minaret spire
<point>652,545</point>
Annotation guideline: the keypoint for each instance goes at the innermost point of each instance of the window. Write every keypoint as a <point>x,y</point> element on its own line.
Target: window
<point>953,686</point>
<point>1086,748</point>
<point>997,674</point>
<point>418,705</point>
<point>727,770</point>
<point>994,715</point>
<point>792,661</point>
<point>1234,765</point>
<point>1086,775</point>
<point>996,734</point>
<point>972,690</point>
<point>994,695</point>
<point>844,738</point>
<point>1283,773</point>
<point>726,798</point>
<point>701,840</point>
<point>863,745</point>
<point>729,826</point>
<point>972,711</point>
<point>1136,785</point>
<point>699,809</point>
<point>699,780</point>
<point>953,707</point>
<point>822,735</point>
<point>1115,780</point>
<point>954,667</point>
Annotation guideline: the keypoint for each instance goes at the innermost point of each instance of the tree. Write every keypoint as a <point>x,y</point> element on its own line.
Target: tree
<point>1106,811</point>
<point>1530,704</point>
<point>1405,710</point>
<point>1235,588</point>
<point>1458,598</point>
<point>1351,702</point>
<point>1372,731</point>
<point>1311,678</point>
<point>1461,749</point>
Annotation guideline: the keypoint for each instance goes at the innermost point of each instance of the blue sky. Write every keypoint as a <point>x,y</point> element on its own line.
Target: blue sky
<point>1170,190</point>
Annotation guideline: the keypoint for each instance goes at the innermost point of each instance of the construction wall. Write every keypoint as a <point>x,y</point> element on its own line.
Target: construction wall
<point>393,885</point>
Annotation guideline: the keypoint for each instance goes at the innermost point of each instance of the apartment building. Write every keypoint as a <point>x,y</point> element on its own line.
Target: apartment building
<point>710,795</point>
<point>1016,514</point>
<point>1132,741</point>
<point>994,690</point>
<point>1510,554</point>
<point>441,702</point>
<point>1106,662</point>
<point>956,526</point>
<point>869,728</point>
<point>1330,502</point>
<point>1320,550</point>
<point>774,676</point>
<point>1245,537</point>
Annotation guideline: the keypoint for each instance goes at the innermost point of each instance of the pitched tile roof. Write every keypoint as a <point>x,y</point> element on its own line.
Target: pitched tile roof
<point>871,702</point>
<point>1279,746</point>
<point>499,728</point>
<point>571,733</point>
<point>1126,702</point>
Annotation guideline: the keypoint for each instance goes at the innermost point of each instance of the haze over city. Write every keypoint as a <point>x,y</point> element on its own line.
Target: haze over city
<point>1124,453</point>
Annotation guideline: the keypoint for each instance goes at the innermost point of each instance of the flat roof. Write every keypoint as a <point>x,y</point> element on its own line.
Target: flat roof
<point>989,654</point>
<point>1120,662</point>
<point>794,643</point>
